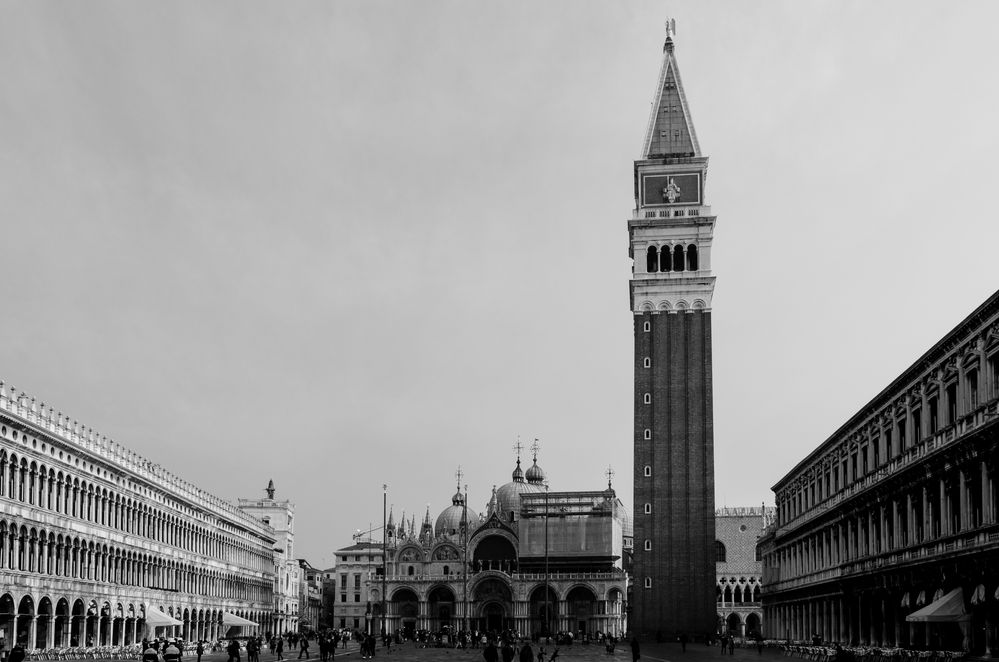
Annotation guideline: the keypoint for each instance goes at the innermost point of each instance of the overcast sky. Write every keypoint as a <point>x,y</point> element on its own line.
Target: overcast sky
<point>344,244</point>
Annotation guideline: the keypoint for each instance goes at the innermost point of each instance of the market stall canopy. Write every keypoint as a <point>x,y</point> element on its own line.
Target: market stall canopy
<point>948,609</point>
<point>156,618</point>
<point>233,619</point>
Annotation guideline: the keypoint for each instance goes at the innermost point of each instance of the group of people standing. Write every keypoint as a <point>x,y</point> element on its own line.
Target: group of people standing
<point>507,652</point>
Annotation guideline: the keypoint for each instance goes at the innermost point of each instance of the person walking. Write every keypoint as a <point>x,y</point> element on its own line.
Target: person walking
<point>303,647</point>
<point>200,650</point>
<point>233,650</point>
<point>636,652</point>
<point>279,648</point>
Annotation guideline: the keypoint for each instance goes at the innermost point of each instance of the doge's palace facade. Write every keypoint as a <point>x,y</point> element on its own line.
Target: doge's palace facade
<point>99,545</point>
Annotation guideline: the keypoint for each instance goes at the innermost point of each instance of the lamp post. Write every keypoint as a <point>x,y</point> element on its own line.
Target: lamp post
<point>464,564</point>
<point>547,598</point>
<point>384,628</point>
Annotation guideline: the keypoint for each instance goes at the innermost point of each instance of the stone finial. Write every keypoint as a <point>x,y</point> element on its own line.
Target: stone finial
<point>270,489</point>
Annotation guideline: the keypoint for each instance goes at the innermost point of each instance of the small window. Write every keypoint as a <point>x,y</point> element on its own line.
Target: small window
<point>648,545</point>
<point>410,571</point>
<point>648,433</point>
<point>648,509</point>
<point>357,597</point>
<point>647,327</point>
<point>719,552</point>
<point>447,570</point>
<point>648,582</point>
<point>648,398</point>
<point>648,362</point>
<point>648,470</point>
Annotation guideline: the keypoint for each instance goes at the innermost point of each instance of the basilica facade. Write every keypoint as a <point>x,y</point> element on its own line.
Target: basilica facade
<point>534,561</point>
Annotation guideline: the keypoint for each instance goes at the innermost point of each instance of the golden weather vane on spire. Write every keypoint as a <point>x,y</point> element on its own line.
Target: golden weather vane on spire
<point>518,447</point>
<point>535,447</point>
<point>670,27</point>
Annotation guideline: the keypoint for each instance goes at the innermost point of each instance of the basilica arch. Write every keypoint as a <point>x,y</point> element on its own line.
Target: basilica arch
<point>495,600</point>
<point>581,609</point>
<point>405,611</point>
<point>441,604</point>
<point>495,552</point>
<point>544,617</point>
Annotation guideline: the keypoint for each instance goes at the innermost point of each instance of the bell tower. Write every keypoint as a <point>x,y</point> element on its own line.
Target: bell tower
<point>670,236</point>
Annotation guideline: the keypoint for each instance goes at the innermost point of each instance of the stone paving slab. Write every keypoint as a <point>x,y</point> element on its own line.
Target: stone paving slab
<point>409,652</point>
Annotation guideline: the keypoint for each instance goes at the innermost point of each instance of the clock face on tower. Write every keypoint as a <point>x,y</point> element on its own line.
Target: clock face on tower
<point>682,188</point>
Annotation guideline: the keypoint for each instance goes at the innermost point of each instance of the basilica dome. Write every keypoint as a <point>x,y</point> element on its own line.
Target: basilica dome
<point>535,474</point>
<point>449,521</point>
<point>508,496</point>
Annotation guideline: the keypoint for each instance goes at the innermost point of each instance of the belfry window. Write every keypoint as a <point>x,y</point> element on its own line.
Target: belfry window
<point>665,261</point>
<point>652,259</point>
<point>692,257</point>
<point>678,258</point>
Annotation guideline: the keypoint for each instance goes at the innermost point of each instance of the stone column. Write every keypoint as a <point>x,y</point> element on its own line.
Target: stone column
<point>944,514</point>
<point>988,507</point>
<point>962,486</point>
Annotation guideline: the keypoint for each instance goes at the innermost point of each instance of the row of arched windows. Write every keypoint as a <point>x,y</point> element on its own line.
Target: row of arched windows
<point>44,552</point>
<point>671,258</point>
<point>37,485</point>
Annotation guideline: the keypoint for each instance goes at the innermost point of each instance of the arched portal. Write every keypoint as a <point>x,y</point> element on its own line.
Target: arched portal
<point>78,622</point>
<point>406,608</point>
<point>493,617</point>
<point>495,553</point>
<point>734,624</point>
<point>753,626</point>
<point>25,616</point>
<point>62,623</point>
<point>496,602</point>
<point>544,614</point>
<point>442,605</point>
<point>581,603</point>
<point>43,623</point>
<point>7,617</point>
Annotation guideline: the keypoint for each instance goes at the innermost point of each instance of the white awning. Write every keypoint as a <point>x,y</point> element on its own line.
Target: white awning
<point>156,618</point>
<point>978,597</point>
<point>233,619</point>
<point>948,609</point>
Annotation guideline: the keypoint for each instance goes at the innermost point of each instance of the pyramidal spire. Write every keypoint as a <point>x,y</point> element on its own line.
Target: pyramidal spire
<point>671,131</point>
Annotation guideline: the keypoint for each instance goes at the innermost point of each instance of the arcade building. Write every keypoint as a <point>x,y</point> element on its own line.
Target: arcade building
<point>887,533</point>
